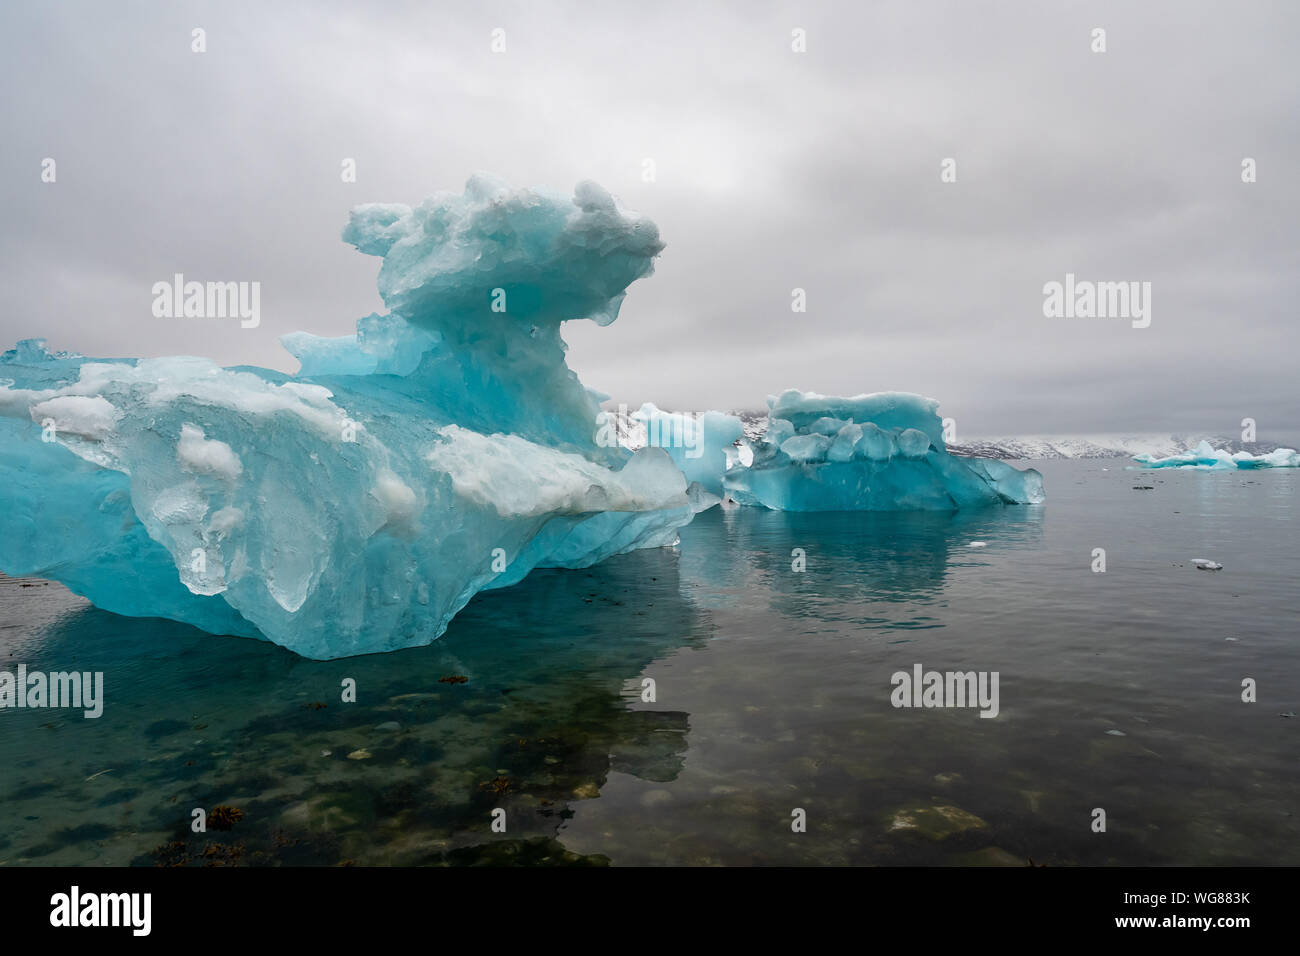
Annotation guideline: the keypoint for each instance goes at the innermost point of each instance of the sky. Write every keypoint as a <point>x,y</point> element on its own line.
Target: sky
<point>774,169</point>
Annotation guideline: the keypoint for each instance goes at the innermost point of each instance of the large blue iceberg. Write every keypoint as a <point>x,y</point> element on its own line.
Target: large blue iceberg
<point>444,449</point>
<point>1205,457</point>
<point>356,507</point>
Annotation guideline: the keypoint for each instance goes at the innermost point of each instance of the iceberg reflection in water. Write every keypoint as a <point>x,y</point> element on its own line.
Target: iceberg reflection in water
<point>771,692</point>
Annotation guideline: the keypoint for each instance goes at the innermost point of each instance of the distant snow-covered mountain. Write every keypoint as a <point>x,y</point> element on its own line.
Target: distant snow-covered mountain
<point>1097,446</point>
<point>632,435</point>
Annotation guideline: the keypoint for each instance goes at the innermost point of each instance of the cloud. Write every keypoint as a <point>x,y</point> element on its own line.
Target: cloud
<point>773,170</point>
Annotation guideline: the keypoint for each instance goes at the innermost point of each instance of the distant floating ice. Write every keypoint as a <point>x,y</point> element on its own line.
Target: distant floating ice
<point>1206,457</point>
<point>1205,564</point>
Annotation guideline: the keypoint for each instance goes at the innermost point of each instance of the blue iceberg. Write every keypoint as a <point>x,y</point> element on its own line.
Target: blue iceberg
<point>879,452</point>
<point>357,506</point>
<point>1205,457</point>
<point>444,449</point>
<point>701,446</point>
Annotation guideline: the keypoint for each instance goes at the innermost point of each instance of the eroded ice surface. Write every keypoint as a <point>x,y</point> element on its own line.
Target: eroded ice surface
<point>356,507</point>
<point>878,452</point>
<point>1208,458</point>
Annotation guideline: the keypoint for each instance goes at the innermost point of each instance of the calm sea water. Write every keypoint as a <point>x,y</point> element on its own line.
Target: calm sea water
<point>1120,691</point>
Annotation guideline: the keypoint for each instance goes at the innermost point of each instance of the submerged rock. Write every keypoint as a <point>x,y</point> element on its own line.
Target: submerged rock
<point>937,822</point>
<point>989,856</point>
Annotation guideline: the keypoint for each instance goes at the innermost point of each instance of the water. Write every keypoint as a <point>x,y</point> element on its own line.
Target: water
<point>772,694</point>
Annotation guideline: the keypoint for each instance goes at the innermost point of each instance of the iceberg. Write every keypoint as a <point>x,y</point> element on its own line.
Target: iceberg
<point>443,449</point>
<point>355,507</point>
<point>1205,457</point>
<point>879,452</point>
<point>701,446</point>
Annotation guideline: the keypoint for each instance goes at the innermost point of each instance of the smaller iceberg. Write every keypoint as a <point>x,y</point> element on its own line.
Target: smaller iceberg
<point>701,446</point>
<point>1205,457</point>
<point>878,452</point>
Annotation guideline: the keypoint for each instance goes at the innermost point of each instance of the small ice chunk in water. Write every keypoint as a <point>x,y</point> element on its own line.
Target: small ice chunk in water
<point>978,544</point>
<point>1205,564</point>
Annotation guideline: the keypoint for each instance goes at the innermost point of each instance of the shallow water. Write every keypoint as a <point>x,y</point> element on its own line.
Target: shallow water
<point>772,692</point>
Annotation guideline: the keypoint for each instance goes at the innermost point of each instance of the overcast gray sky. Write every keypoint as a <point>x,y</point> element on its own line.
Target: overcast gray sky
<point>774,170</point>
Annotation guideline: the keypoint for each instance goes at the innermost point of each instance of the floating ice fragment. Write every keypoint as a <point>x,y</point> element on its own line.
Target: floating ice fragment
<point>1205,457</point>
